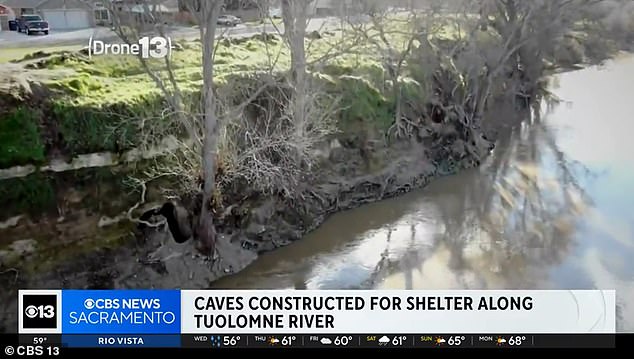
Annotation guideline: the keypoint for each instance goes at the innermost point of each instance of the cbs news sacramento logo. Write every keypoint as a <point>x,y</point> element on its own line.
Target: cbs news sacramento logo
<point>39,311</point>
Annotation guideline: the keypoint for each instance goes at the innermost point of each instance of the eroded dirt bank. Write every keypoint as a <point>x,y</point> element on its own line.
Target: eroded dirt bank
<point>153,260</point>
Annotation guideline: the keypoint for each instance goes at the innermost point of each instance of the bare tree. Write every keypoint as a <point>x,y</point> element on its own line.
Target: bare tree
<point>501,53</point>
<point>261,132</point>
<point>530,31</point>
<point>201,124</point>
<point>208,17</point>
<point>261,147</point>
<point>295,17</point>
<point>393,37</point>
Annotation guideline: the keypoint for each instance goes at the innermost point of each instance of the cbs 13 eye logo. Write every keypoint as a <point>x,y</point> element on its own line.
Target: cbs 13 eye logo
<point>40,311</point>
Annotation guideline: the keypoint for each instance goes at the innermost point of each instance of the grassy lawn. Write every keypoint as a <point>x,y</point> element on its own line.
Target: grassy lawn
<point>8,54</point>
<point>105,94</point>
<point>117,79</point>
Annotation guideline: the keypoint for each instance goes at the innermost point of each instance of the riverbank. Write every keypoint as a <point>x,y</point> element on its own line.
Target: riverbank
<point>65,113</point>
<point>72,101</point>
<point>153,260</point>
<point>544,211</point>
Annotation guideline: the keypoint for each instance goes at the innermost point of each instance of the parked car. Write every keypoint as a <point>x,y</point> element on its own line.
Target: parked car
<point>30,24</point>
<point>228,20</point>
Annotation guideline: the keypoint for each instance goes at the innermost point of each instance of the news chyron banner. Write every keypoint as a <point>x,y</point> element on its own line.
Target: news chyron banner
<point>162,315</point>
<point>106,314</point>
<point>398,311</point>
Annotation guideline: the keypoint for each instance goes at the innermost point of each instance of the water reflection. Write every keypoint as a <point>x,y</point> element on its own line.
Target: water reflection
<point>506,225</point>
<point>552,208</point>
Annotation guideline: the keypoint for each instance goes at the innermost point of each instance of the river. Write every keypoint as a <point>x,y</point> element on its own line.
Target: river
<point>552,208</point>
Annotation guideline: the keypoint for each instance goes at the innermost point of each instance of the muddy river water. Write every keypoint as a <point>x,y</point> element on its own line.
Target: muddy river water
<point>552,208</point>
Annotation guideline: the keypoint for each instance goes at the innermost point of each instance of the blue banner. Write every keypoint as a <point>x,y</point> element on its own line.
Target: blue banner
<point>121,341</point>
<point>121,312</point>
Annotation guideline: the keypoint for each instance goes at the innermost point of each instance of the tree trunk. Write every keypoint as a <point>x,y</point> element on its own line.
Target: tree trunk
<point>206,230</point>
<point>299,106</point>
<point>398,98</point>
<point>295,14</point>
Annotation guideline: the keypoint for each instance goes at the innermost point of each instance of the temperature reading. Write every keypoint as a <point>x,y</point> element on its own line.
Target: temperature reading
<point>230,341</point>
<point>399,340</point>
<point>516,340</point>
<point>343,341</point>
<point>288,340</point>
<point>455,340</point>
<point>39,340</point>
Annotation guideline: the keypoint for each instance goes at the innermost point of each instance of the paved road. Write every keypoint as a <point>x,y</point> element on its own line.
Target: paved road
<point>13,39</point>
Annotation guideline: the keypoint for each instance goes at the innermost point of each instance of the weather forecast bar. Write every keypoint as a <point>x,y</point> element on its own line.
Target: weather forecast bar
<point>215,341</point>
<point>216,319</point>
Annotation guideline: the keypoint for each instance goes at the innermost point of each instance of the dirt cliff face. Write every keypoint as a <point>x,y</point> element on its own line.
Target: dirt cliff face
<point>254,224</point>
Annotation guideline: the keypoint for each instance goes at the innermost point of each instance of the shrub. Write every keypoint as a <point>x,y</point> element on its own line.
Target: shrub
<point>361,101</point>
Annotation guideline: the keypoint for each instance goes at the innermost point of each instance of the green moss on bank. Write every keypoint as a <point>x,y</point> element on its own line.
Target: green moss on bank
<point>362,103</point>
<point>20,140</point>
<point>86,129</point>
<point>100,190</point>
<point>33,194</point>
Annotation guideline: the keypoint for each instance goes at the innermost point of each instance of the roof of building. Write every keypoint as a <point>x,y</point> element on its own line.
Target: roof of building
<point>21,3</point>
<point>33,4</point>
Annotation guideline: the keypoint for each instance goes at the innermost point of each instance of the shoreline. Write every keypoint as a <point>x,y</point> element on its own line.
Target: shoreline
<point>156,261</point>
